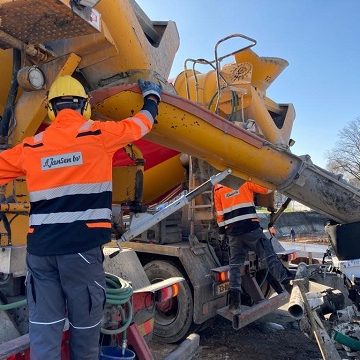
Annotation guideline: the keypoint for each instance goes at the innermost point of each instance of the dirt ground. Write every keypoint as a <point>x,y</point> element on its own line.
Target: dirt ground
<point>276,337</point>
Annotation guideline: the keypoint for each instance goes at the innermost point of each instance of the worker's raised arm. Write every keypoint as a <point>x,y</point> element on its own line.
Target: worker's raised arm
<point>258,188</point>
<point>11,164</point>
<point>117,134</point>
<point>219,211</point>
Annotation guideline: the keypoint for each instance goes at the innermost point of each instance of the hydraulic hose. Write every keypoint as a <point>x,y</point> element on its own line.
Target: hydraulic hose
<point>119,292</point>
<point>234,104</point>
<point>264,279</point>
<point>6,225</point>
<point>211,100</point>
<point>9,107</point>
<point>212,251</point>
<point>213,254</point>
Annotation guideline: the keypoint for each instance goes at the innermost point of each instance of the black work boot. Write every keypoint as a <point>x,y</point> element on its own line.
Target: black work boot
<point>234,300</point>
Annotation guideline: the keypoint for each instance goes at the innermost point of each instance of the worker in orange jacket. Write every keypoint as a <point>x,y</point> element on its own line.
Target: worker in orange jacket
<point>68,169</point>
<point>236,215</point>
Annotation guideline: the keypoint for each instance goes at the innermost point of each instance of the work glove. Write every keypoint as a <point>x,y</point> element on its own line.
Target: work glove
<point>149,88</point>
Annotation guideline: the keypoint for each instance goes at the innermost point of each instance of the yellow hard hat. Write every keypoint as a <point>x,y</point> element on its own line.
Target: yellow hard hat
<point>67,86</point>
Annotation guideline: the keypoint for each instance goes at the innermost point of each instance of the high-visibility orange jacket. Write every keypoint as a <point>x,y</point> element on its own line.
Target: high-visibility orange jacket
<point>235,209</point>
<point>68,170</point>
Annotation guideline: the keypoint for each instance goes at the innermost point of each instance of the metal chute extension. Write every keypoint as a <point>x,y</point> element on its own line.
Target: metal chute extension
<point>143,221</point>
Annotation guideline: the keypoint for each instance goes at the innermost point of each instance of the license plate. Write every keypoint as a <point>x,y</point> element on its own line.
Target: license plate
<point>221,288</point>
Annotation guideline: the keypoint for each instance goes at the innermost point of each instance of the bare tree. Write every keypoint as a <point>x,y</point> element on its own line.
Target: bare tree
<point>344,158</point>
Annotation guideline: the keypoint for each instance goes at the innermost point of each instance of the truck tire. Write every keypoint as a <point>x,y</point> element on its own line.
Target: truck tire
<point>174,318</point>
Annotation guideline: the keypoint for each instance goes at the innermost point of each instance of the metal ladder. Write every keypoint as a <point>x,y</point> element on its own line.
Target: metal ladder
<point>198,212</point>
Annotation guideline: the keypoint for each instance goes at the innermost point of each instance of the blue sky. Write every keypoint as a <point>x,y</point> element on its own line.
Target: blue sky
<point>319,39</point>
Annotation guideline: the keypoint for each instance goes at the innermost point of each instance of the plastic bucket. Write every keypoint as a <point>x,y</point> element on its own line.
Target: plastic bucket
<point>115,353</point>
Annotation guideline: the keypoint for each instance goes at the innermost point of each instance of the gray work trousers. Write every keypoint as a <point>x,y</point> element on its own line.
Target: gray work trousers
<point>65,286</point>
<point>255,241</point>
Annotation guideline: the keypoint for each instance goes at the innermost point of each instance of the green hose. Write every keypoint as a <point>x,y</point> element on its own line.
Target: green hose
<point>346,340</point>
<point>118,293</point>
<point>234,104</point>
<point>13,305</point>
<point>212,99</point>
<point>264,279</point>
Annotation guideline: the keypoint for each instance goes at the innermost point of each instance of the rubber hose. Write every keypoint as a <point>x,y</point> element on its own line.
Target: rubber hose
<point>212,99</point>
<point>13,305</point>
<point>234,104</point>
<point>213,254</point>
<point>10,102</point>
<point>263,280</point>
<point>7,226</point>
<point>119,292</point>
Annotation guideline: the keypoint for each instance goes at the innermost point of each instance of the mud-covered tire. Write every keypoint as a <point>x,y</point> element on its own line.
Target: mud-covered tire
<point>172,324</point>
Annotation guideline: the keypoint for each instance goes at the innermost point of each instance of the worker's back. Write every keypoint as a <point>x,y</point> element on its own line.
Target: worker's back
<point>236,209</point>
<point>68,170</point>
<point>66,153</point>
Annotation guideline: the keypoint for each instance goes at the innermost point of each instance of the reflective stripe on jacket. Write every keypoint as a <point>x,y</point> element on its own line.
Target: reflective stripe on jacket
<point>68,170</point>
<point>235,209</point>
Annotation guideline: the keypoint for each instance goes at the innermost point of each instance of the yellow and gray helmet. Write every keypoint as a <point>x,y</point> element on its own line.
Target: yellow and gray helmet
<point>67,93</point>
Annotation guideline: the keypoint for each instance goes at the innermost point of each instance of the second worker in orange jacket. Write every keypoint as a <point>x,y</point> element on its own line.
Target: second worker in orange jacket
<point>236,215</point>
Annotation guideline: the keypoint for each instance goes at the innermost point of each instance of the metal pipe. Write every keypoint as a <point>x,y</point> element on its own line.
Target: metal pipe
<point>11,41</point>
<point>201,62</point>
<point>186,78</point>
<point>30,49</point>
<point>219,59</point>
<point>296,302</point>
